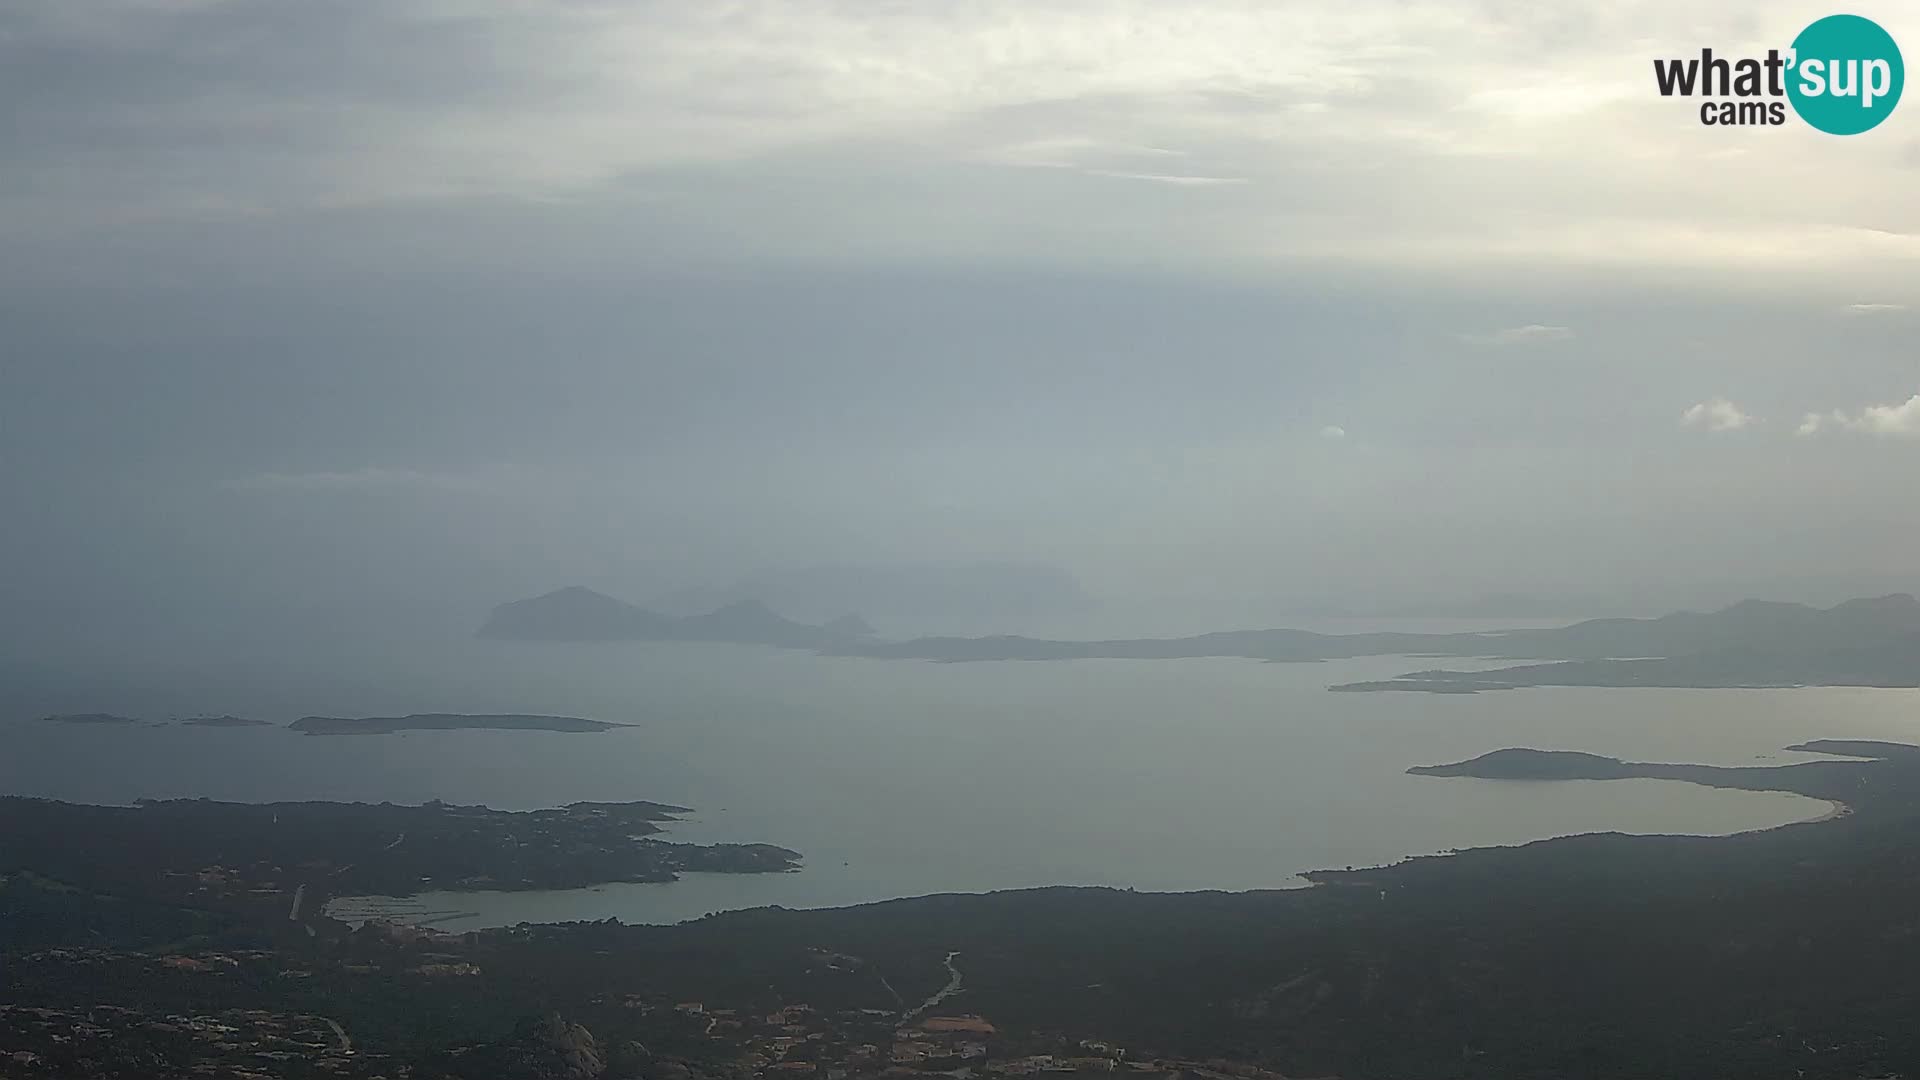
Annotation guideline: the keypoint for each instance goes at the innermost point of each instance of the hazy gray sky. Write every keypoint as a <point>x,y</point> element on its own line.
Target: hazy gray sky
<point>391,309</point>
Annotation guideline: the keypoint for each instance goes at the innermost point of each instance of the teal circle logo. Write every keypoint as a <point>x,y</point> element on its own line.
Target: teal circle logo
<point>1846,75</point>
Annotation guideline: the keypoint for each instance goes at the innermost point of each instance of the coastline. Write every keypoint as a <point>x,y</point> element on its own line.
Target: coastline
<point>1836,809</point>
<point>638,904</point>
<point>1315,980</point>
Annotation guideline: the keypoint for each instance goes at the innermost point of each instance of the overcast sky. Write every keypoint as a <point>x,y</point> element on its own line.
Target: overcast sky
<point>393,309</point>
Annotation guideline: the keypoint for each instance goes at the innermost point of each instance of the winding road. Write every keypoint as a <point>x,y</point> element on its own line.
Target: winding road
<point>346,1044</point>
<point>945,992</point>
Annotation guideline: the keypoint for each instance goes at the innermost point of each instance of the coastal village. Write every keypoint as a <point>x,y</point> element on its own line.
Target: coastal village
<point>799,1041</point>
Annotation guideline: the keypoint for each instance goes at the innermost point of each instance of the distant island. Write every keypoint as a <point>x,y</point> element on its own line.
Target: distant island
<point>1753,625</point>
<point>1894,662</point>
<point>1520,763</point>
<point>88,718</point>
<point>1754,643</point>
<point>1834,780</point>
<point>382,725</point>
<point>223,721</point>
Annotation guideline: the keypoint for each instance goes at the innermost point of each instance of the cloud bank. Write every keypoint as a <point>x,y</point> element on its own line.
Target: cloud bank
<point>1900,420</point>
<point>1716,414</point>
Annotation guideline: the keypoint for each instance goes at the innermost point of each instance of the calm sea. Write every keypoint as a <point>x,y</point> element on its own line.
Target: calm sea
<point>906,778</point>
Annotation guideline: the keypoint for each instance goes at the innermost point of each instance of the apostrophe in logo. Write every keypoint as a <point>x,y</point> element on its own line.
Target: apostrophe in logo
<point>1843,75</point>
<point>1847,74</point>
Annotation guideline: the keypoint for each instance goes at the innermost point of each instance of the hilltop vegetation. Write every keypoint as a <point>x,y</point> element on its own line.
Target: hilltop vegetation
<point>1784,952</point>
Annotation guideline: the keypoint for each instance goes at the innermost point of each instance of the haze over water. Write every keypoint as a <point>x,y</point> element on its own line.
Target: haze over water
<point>906,778</point>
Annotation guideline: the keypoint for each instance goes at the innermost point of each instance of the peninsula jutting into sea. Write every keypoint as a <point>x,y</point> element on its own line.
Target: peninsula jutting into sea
<point>330,849</point>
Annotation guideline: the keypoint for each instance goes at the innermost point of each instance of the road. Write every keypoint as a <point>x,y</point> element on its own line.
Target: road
<point>945,992</point>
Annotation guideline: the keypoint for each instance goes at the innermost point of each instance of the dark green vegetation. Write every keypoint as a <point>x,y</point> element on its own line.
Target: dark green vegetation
<point>105,1040</point>
<point>1867,642</point>
<point>1781,953</point>
<point>253,858</point>
<point>382,725</point>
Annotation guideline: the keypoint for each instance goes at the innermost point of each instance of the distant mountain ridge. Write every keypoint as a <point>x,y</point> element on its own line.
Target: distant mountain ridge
<point>1863,642</point>
<point>1763,625</point>
<point>580,614</point>
<point>1871,641</point>
<point>1756,625</point>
